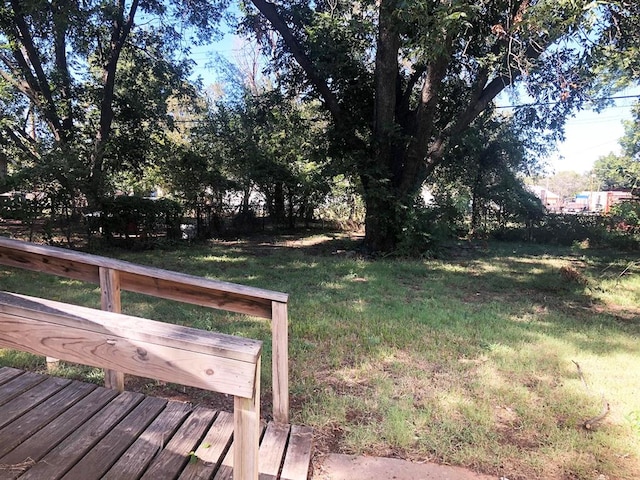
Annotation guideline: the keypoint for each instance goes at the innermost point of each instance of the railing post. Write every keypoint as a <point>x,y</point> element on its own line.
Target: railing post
<point>280,361</point>
<point>110,302</point>
<point>246,433</point>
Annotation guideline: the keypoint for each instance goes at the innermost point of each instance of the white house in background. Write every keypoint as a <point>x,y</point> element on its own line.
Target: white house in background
<point>552,201</point>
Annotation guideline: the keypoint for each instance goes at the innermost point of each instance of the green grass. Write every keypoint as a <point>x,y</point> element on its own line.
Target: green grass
<point>467,360</point>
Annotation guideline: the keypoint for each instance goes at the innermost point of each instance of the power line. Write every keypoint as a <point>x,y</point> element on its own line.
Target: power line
<point>541,104</point>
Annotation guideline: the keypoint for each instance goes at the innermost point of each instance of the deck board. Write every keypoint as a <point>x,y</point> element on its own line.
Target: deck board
<point>51,428</point>
<point>17,432</point>
<point>137,458</point>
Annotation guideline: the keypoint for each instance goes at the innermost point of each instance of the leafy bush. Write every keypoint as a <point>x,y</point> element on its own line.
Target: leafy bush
<point>626,216</point>
<point>427,226</point>
<point>567,230</point>
<point>563,229</point>
<point>138,217</point>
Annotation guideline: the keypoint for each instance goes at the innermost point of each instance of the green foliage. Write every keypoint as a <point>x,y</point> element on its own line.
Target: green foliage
<point>343,206</point>
<point>137,217</point>
<point>404,82</point>
<point>626,215</point>
<point>267,143</point>
<point>94,83</point>
<point>616,172</point>
<point>465,360</point>
<point>426,228</point>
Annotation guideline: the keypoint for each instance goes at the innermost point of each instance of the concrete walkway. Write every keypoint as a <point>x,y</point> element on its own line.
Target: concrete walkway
<point>349,467</point>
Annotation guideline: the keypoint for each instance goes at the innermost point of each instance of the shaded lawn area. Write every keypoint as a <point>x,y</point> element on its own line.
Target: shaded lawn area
<point>493,359</point>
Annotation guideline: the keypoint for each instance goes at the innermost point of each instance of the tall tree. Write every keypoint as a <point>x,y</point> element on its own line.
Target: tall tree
<point>622,171</point>
<point>402,79</point>
<point>81,66</point>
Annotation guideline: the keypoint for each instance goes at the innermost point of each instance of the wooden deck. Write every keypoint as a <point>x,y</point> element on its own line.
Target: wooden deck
<point>53,428</point>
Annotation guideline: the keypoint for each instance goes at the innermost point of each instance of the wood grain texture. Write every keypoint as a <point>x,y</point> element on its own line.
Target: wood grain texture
<point>134,328</point>
<point>246,436</point>
<point>48,437</point>
<point>30,398</point>
<point>8,373</point>
<point>280,361</point>
<point>96,462</point>
<point>170,285</point>
<point>141,279</point>
<point>110,301</point>
<point>138,456</point>
<point>170,462</point>
<point>17,432</point>
<point>298,458</point>
<point>139,358</point>
<point>76,336</point>
<point>16,386</point>
<point>210,452</point>
<point>88,432</point>
<point>272,450</point>
<point>67,453</point>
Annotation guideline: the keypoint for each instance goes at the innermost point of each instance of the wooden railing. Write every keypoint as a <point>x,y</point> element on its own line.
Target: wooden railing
<point>172,353</point>
<point>115,275</point>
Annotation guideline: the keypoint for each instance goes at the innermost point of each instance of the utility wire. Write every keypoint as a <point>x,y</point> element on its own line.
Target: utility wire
<point>540,104</point>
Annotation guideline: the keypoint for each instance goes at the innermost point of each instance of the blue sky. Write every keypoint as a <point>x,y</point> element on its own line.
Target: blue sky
<point>589,134</point>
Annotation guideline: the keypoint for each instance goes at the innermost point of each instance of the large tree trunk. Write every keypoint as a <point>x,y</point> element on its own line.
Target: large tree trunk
<point>409,137</point>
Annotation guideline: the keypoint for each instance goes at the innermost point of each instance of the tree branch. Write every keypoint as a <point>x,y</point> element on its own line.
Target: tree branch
<point>40,83</point>
<point>120,29</point>
<point>270,12</point>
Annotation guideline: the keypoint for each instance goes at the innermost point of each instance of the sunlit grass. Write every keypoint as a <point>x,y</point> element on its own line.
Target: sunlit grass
<point>471,360</point>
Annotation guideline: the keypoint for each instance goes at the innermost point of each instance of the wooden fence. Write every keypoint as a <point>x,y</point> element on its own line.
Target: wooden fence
<point>115,275</point>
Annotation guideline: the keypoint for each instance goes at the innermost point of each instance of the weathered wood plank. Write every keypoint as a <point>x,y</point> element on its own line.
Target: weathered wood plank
<point>140,358</point>
<point>77,341</point>
<point>246,436</point>
<point>110,301</point>
<point>68,452</point>
<point>272,450</point>
<point>30,398</point>
<point>25,427</point>
<point>40,443</point>
<point>134,328</point>
<point>298,458</point>
<point>44,440</point>
<point>97,462</point>
<point>225,472</point>
<point>20,384</point>
<point>210,452</point>
<point>8,373</point>
<point>140,279</point>
<point>280,362</point>
<point>170,462</point>
<point>135,460</point>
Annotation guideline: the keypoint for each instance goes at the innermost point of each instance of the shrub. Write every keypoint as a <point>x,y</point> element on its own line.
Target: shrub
<point>138,217</point>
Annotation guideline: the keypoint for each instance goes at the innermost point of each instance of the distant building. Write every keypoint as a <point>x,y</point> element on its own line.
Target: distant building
<point>587,202</point>
<point>600,202</point>
<point>552,201</point>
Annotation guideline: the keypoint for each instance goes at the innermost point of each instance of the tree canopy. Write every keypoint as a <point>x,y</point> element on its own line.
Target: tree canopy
<point>402,80</point>
<point>84,85</point>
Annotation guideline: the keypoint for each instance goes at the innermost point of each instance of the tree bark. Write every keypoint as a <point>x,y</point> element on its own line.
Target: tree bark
<point>406,144</point>
<point>120,29</point>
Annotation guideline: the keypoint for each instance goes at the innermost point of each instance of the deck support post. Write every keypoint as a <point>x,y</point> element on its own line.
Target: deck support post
<point>110,302</point>
<point>280,361</point>
<point>246,433</point>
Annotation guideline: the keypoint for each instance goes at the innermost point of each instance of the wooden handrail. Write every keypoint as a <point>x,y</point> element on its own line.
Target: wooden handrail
<point>115,275</point>
<point>172,353</point>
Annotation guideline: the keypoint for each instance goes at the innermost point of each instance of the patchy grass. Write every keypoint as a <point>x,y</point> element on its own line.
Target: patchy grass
<point>470,360</point>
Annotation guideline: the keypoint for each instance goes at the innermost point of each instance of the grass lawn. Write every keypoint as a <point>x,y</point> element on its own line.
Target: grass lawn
<point>495,359</point>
